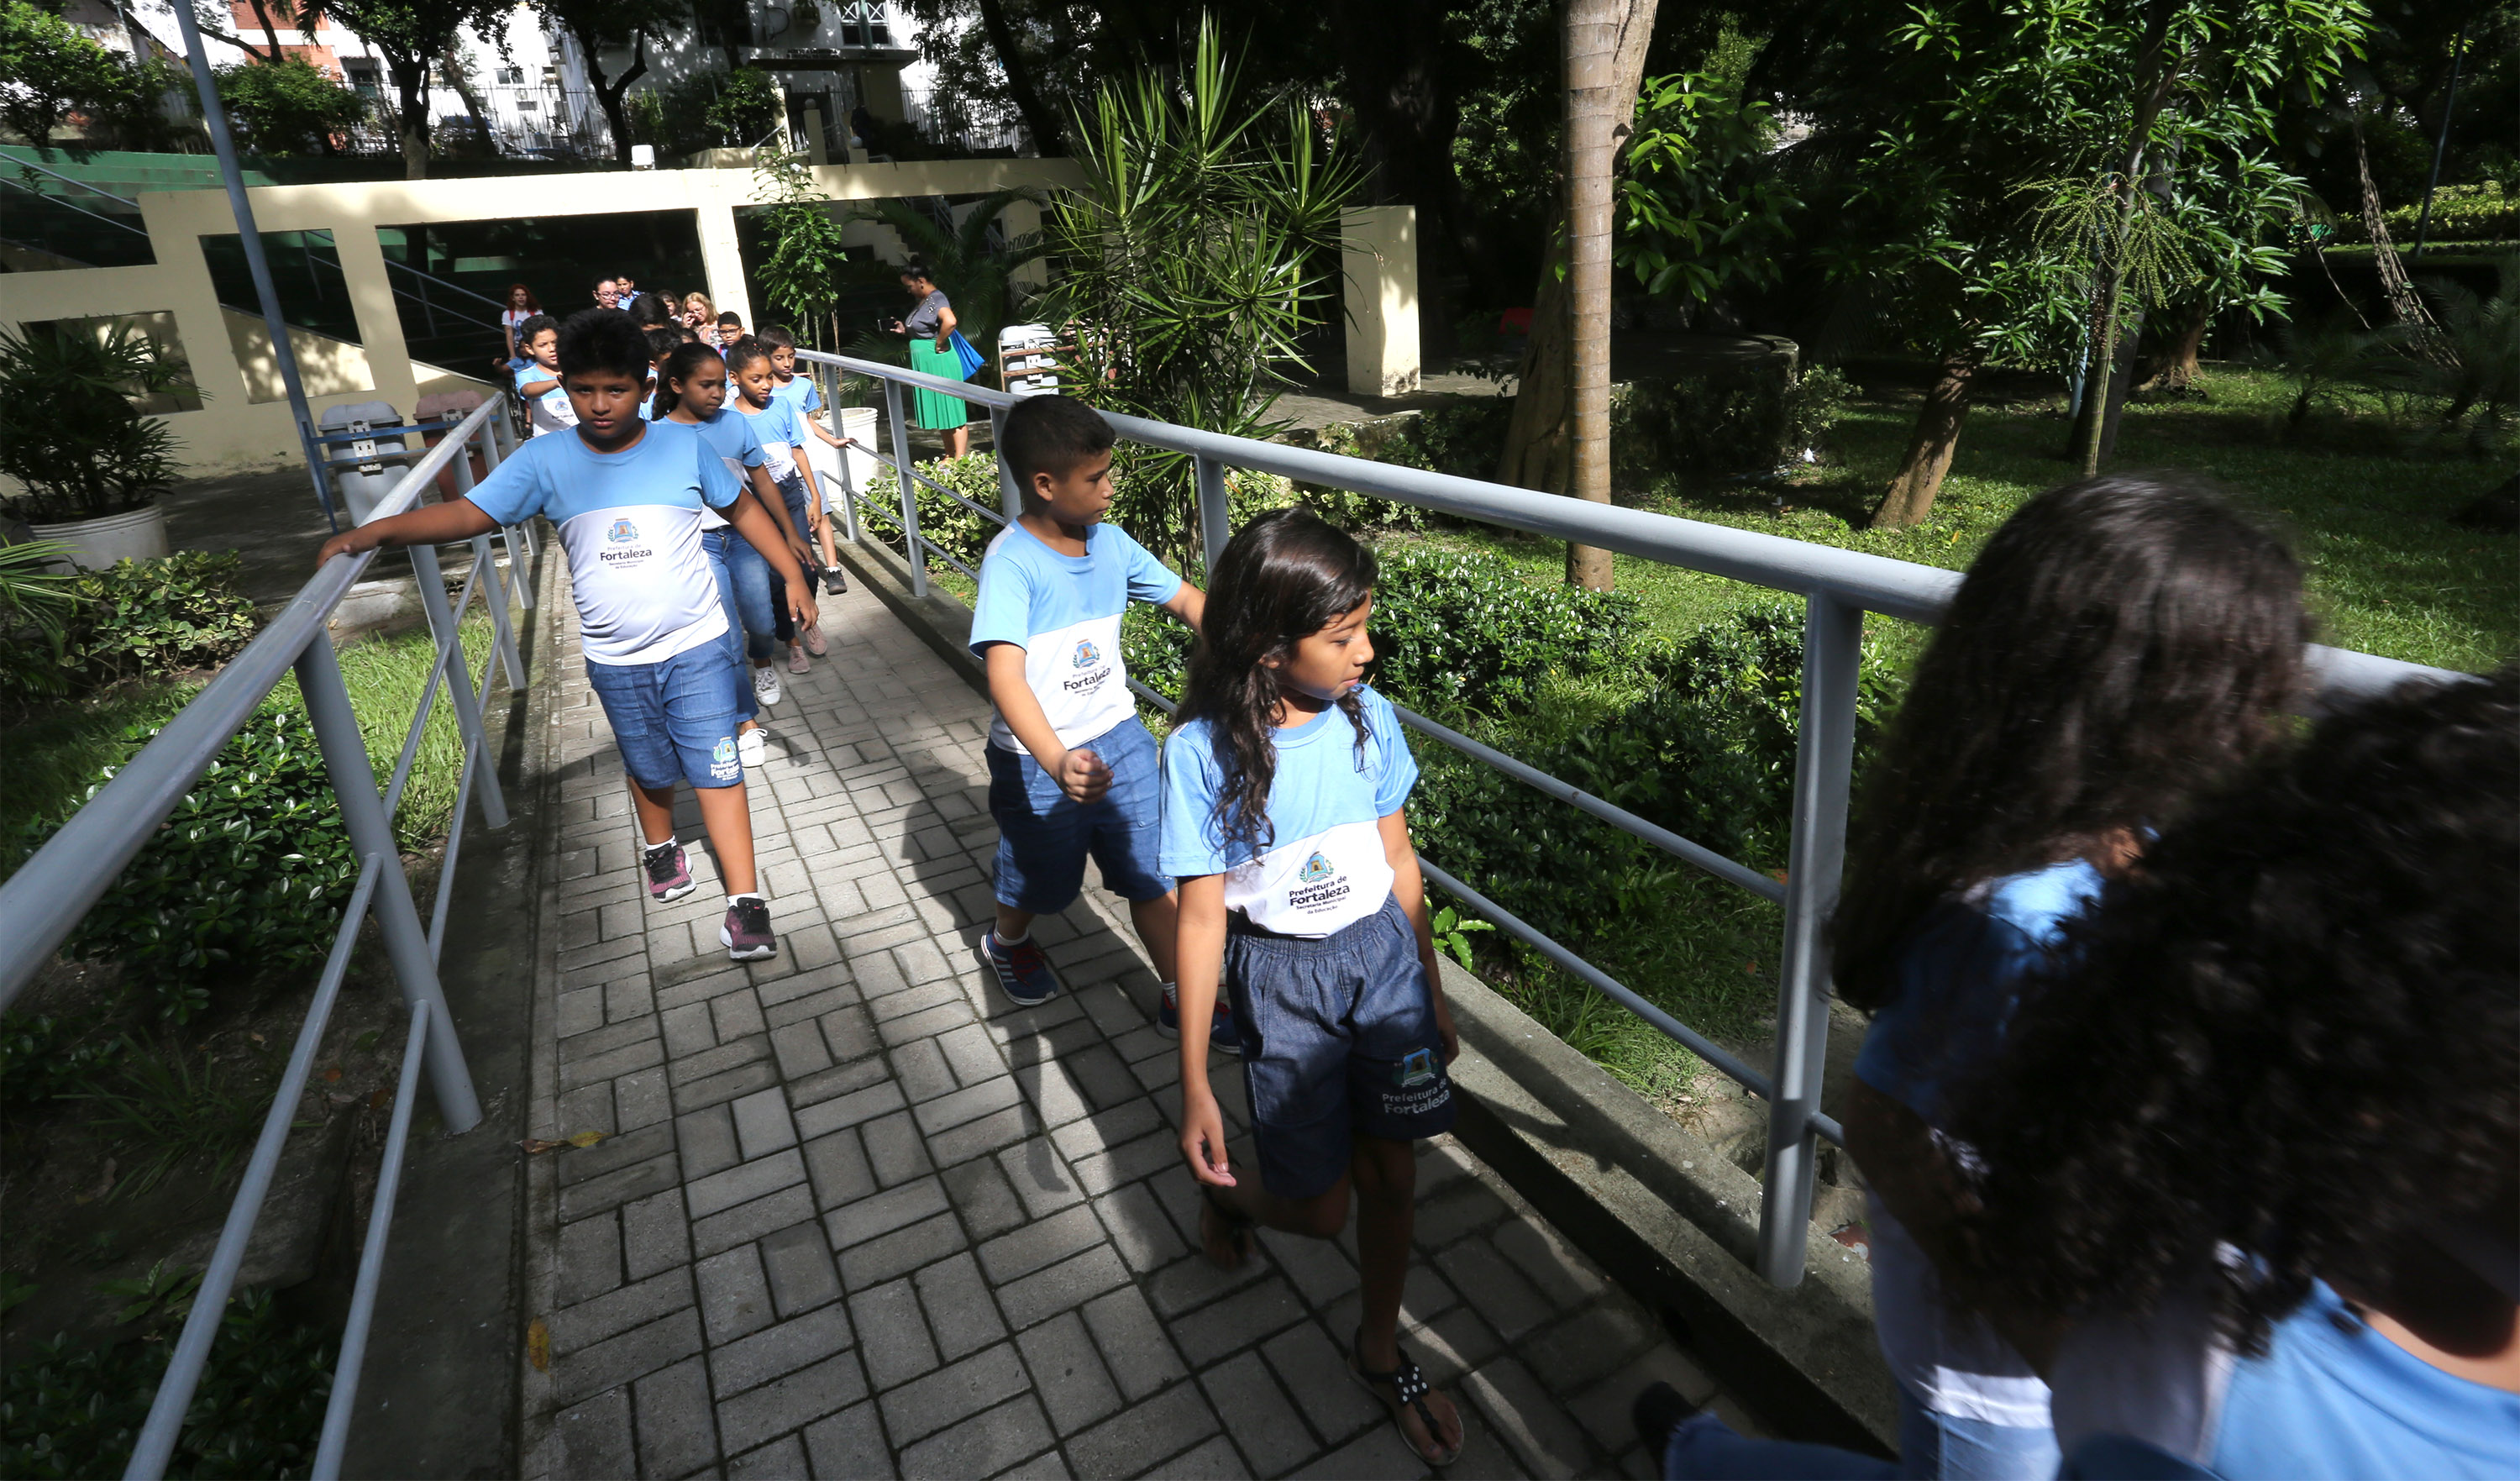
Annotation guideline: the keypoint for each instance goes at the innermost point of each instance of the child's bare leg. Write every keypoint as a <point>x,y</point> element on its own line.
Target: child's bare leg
<point>1158,922</point>
<point>727,818</point>
<point>1385,1175</point>
<point>655,806</point>
<point>1318,1217</point>
<point>1013,925</point>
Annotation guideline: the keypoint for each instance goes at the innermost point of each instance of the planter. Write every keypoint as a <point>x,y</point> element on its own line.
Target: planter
<point>139,535</point>
<point>859,422</point>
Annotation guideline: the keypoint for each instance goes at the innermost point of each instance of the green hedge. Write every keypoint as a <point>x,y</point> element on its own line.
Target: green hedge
<point>135,618</point>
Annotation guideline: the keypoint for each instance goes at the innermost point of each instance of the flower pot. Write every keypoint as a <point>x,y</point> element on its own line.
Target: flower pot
<point>139,535</point>
<point>859,422</point>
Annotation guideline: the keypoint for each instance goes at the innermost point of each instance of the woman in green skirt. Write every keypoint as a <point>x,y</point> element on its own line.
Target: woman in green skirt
<point>931,330</point>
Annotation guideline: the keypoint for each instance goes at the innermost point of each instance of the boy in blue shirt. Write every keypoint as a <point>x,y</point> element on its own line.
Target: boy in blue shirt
<point>1072,773</point>
<point>546,406</point>
<point>801,392</point>
<point>626,495</point>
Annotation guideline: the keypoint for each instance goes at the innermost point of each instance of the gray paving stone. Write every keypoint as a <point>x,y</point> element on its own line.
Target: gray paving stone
<point>1040,1176</point>
<point>590,1258</point>
<point>849,1446</point>
<point>653,1235</point>
<point>1067,1373</point>
<point>850,1033</point>
<point>707,1139</point>
<point>893,1333</point>
<point>1377,1455</point>
<point>618,1359</point>
<point>1035,1245</point>
<point>752,1221</point>
<point>595,1437</point>
<point>1070,1282</point>
<point>897,1253</point>
<point>580,1326</point>
<point>1605,1410</point>
<point>761,1123</point>
<point>894,1149</point>
<point>579,1165</point>
<point>1156,1153</point>
<point>981,1195</point>
<point>677,1426</point>
<point>781,1460</point>
<point>1511,1303</point>
<point>614,1189</point>
<point>838,1166</point>
<point>1543,1438</point>
<point>960,1310</point>
<point>1138,1437</point>
<point>975,1139</point>
<point>984,1444</point>
<point>780,1349</point>
<point>885,1212</point>
<point>971,1054</point>
<point>640,1100</point>
<point>1315,1369</point>
<point>827,1116</point>
<point>1589,1345</point>
<point>687,1029</point>
<point>734,1295</point>
<point>1462,1207</point>
<point>1240,1320</point>
<point>1215,1461</point>
<point>1562,1275</point>
<point>1319,1268</point>
<point>952,1109</point>
<point>736,1014</point>
<point>744,1182</point>
<point>790,1403</point>
<point>798,1262</point>
<point>839,1080</point>
<point>1105,1130</point>
<point>951,1395</point>
<point>799,1050</point>
<point>1271,1434</point>
<point>714,1090</point>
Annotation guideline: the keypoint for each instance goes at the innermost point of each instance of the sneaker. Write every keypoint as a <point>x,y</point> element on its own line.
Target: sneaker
<point>765,684</point>
<point>1022,971</point>
<point>746,931</point>
<point>835,580</point>
<point>796,663</point>
<point>1221,1033</point>
<point>1656,1413</point>
<point>669,874</point>
<point>752,747</point>
<point>815,643</point>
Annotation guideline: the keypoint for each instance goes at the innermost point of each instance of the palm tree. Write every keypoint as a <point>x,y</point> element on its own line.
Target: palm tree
<point>977,276</point>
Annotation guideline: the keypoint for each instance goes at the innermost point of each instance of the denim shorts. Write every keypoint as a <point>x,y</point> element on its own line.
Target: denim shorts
<point>674,719</point>
<point>717,543</point>
<point>1338,1040</point>
<point>1044,834</point>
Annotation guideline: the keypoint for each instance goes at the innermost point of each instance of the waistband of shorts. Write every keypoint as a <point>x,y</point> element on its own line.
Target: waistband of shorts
<point>1236,923</point>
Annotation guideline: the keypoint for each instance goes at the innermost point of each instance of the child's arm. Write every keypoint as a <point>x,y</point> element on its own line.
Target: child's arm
<point>431,524</point>
<point>757,479</point>
<point>1410,887</point>
<point>812,490</point>
<point>754,524</point>
<point>1082,774</point>
<point>825,433</point>
<point>532,388</point>
<point>1190,604</point>
<point>1198,966</point>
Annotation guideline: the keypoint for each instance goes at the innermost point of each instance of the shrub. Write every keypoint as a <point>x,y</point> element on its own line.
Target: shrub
<point>162,617</point>
<point>944,523</point>
<point>1462,631</point>
<point>253,866</point>
<point>72,437</point>
<point>41,1056</point>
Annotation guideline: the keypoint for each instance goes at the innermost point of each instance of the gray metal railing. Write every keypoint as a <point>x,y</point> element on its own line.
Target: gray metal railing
<point>1837,586</point>
<point>44,901</point>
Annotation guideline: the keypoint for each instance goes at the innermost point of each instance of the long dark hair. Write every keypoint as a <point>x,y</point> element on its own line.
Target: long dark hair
<point>1288,575</point>
<point>679,364</point>
<point>744,352</point>
<point>2119,642</point>
<point>2295,1032</point>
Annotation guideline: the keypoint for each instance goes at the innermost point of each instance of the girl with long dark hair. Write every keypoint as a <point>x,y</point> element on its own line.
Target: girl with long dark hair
<point>2121,644</point>
<point>1285,781</point>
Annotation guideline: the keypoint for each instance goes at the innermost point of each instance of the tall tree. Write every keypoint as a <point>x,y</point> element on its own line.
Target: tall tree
<point>48,70</point>
<point>597,26</point>
<point>410,36</point>
<point>213,20</point>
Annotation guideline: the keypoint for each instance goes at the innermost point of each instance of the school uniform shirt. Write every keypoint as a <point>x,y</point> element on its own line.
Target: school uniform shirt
<point>2332,1399</point>
<point>778,426</point>
<point>1959,978</point>
<point>1323,867</point>
<point>800,389</point>
<point>631,523</point>
<point>551,411</point>
<point>729,434</point>
<point>1064,612</point>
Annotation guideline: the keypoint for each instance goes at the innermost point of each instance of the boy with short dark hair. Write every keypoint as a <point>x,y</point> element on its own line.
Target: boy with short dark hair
<point>546,406</point>
<point>730,328</point>
<point>808,400</point>
<point>662,343</point>
<point>1072,773</point>
<point>626,495</point>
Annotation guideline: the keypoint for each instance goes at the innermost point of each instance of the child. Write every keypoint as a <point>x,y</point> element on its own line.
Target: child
<point>774,421</point>
<point>691,392</point>
<point>662,343</point>
<point>626,495</point>
<point>1072,773</point>
<point>1284,785</point>
<point>730,329</point>
<point>809,400</point>
<point>2120,644</point>
<point>2264,1141</point>
<point>546,406</point>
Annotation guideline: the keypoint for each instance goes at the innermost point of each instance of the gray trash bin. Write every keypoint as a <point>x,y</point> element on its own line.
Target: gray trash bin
<point>364,484</point>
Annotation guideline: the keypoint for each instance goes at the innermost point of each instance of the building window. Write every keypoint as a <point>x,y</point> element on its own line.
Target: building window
<point>528,105</point>
<point>364,76</point>
<point>863,22</point>
<point>512,75</point>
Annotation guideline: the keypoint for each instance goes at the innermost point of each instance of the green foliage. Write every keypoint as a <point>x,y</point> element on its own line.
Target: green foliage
<point>67,1411</point>
<point>161,1294</point>
<point>1452,932</point>
<point>288,106</point>
<point>976,276</point>
<point>709,110</point>
<point>1460,632</point>
<point>50,69</point>
<point>2487,212</point>
<point>165,1111</point>
<point>2480,387</point>
<point>161,616</point>
<point>1202,247</point>
<point>72,435</point>
<point>942,522</point>
<point>805,248</point>
<point>1702,204</point>
<point>41,1056</point>
<point>35,607</point>
<point>250,870</point>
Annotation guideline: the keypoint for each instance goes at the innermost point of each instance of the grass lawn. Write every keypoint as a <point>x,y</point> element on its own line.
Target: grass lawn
<point>2388,573</point>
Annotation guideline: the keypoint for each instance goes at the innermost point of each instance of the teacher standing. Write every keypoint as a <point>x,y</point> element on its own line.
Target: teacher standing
<point>931,330</point>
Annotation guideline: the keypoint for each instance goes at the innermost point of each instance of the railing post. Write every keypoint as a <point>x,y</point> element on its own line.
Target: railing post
<point>363,813</point>
<point>459,674</point>
<point>1824,757</point>
<point>1215,521</point>
<point>909,488</point>
<point>1010,492</point>
<point>494,589</point>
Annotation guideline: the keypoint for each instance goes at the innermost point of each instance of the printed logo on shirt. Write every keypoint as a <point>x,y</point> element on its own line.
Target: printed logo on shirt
<point>1416,1069</point>
<point>1315,869</point>
<point>1087,654</point>
<point>622,532</point>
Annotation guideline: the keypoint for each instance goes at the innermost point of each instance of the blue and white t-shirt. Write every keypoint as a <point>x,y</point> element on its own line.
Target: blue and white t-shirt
<point>1959,979</point>
<point>631,523</point>
<point>729,434</point>
<point>778,426</point>
<point>1064,612</point>
<point>2332,1399</point>
<point>800,388</point>
<point>551,411</point>
<point>1323,868</point>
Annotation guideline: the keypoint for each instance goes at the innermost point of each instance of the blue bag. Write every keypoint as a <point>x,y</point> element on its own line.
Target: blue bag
<point>971,359</point>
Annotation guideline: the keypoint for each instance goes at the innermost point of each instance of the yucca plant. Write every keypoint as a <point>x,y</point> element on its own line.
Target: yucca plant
<point>71,437</point>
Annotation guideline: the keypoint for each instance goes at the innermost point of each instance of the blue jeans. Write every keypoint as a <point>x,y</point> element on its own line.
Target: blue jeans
<point>1930,1445</point>
<point>714,541</point>
<point>751,586</point>
<point>1045,836</point>
<point>673,719</point>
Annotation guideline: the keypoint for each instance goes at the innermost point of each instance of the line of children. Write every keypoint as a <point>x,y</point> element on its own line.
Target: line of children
<point>1299,933</point>
<point>781,429</point>
<point>808,400</point>
<point>626,495</point>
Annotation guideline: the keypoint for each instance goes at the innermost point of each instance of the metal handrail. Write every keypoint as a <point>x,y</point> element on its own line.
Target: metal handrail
<point>1838,586</point>
<point>46,898</point>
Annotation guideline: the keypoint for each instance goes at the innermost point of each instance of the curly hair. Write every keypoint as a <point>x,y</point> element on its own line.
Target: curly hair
<point>1288,575</point>
<point>2119,642</point>
<point>2294,1032</point>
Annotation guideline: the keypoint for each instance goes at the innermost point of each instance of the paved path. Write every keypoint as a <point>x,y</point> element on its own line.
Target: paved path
<point>856,1216</point>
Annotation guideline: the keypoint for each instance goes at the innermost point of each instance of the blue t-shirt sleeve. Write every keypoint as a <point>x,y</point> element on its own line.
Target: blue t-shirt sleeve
<point>717,484</point>
<point>1959,980</point>
<point>1149,580</point>
<point>1003,610</point>
<point>532,373</point>
<point>790,424</point>
<point>1396,766</point>
<point>514,491</point>
<point>749,454</point>
<point>1190,845</point>
<point>812,400</point>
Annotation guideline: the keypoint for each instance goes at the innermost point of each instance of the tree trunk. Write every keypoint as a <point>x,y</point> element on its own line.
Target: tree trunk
<point>411,121</point>
<point>610,96</point>
<point>480,115</point>
<point>270,32</point>
<point>2177,368</point>
<point>1040,121</point>
<point>1909,498</point>
<point>1535,438</point>
<point>2120,380</point>
<point>1406,110</point>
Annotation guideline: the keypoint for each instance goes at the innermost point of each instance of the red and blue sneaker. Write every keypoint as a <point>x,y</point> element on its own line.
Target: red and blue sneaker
<point>1221,1032</point>
<point>669,874</point>
<point>1022,971</point>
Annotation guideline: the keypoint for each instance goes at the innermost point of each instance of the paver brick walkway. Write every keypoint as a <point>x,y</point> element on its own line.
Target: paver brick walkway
<point>854,1215</point>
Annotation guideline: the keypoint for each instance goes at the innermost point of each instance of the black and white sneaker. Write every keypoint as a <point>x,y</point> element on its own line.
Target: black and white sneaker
<point>747,932</point>
<point>669,874</point>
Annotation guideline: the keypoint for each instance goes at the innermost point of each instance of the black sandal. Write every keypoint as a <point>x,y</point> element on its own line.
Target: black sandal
<point>1408,1387</point>
<point>1237,1227</point>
